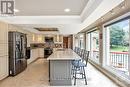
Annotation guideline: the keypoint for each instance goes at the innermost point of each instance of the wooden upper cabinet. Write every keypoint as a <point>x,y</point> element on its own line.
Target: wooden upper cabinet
<point>40,38</point>
<point>55,38</point>
<point>58,38</point>
<point>3,32</point>
<point>43,38</point>
<point>37,38</point>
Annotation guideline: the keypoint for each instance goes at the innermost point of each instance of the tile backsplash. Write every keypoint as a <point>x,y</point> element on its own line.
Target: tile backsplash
<point>44,45</point>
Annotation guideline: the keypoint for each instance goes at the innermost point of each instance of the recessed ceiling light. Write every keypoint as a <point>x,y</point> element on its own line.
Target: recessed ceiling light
<point>102,18</point>
<point>16,10</point>
<point>112,12</point>
<point>67,10</point>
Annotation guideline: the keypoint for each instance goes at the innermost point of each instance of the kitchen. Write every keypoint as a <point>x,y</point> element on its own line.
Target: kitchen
<point>36,43</point>
<point>55,43</point>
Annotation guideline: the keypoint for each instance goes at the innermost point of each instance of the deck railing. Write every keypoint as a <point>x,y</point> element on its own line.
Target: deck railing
<point>95,54</point>
<point>118,60</point>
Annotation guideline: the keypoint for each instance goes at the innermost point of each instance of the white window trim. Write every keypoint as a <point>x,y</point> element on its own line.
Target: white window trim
<point>105,50</point>
<point>129,51</point>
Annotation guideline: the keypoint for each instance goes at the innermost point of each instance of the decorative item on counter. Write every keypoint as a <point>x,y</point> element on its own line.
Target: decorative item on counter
<point>56,45</point>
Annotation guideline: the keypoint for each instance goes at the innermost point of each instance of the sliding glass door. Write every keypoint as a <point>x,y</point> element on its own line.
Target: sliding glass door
<point>93,45</point>
<point>81,41</point>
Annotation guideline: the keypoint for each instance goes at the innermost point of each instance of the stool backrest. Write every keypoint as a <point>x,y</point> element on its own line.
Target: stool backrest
<point>78,51</point>
<point>81,53</point>
<point>75,49</point>
<point>85,56</point>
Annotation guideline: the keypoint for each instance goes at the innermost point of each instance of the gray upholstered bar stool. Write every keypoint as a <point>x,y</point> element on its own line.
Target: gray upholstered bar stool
<point>78,51</point>
<point>75,49</point>
<point>81,53</point>
<point>79,67</point>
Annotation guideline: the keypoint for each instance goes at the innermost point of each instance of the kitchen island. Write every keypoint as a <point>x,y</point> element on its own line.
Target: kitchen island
<point>60,67</point>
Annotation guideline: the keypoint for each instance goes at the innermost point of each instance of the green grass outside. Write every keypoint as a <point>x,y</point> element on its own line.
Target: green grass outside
<point>119,49</point>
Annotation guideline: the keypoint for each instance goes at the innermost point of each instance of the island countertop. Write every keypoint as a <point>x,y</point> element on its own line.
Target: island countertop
<point>64,54</point>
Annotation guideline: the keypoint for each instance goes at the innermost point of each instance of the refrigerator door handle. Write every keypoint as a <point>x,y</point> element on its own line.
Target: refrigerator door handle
<point>20,59</point>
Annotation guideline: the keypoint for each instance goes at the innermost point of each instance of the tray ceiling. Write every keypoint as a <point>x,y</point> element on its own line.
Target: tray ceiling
<point>47,29</point>
<point>49,7</point>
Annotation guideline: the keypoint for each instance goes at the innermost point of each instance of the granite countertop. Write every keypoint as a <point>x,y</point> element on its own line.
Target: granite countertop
<point>65,54</point>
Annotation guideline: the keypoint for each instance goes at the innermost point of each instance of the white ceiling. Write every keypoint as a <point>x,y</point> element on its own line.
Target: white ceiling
<point>49,7</point>
<point>67,23</point>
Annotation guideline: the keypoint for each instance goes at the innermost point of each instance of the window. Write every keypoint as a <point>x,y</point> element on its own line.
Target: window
<point>93,45</point>
<point>81,41</point>
<point>116,47</point>
<point>76,42</point>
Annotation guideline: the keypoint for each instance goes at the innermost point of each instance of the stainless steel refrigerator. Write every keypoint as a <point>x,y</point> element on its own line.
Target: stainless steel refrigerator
<point>17,52</point>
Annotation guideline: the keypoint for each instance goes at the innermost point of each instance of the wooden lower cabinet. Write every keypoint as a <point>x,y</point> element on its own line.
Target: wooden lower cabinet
<point>41,52</point>
<point>4,67</point>
<point>36,53</point>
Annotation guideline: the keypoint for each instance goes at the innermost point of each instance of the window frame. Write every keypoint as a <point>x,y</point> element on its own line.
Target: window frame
<point>105,54</point>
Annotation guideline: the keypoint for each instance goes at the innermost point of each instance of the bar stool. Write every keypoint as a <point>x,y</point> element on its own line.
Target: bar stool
<point>76,49</point>
<point>79,67</point>
<point>80,53</point>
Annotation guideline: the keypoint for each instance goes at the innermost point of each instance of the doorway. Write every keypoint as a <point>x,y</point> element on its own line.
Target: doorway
<point>65,42</point>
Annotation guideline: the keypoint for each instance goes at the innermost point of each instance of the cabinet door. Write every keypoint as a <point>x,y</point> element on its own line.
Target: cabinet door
<point>3,32</point>
<point>3,39</point>
<point>41,52</point>
<point>55,38</point>
<point>33,38</point>
<point>3,49</point>
<point>34,55</point>
<point>40,38</point>
<point>29,40</point>
<point>43,37</point>
<point>60,38</point>
<point>3,67</point>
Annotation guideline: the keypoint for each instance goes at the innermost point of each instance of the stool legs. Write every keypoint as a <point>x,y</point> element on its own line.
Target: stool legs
<point>75,77</point>
<point>83,74</point>
<point>72,71</point>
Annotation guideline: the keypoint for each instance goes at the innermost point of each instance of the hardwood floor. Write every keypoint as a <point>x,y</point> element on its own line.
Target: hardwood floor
<point>36,75</point>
